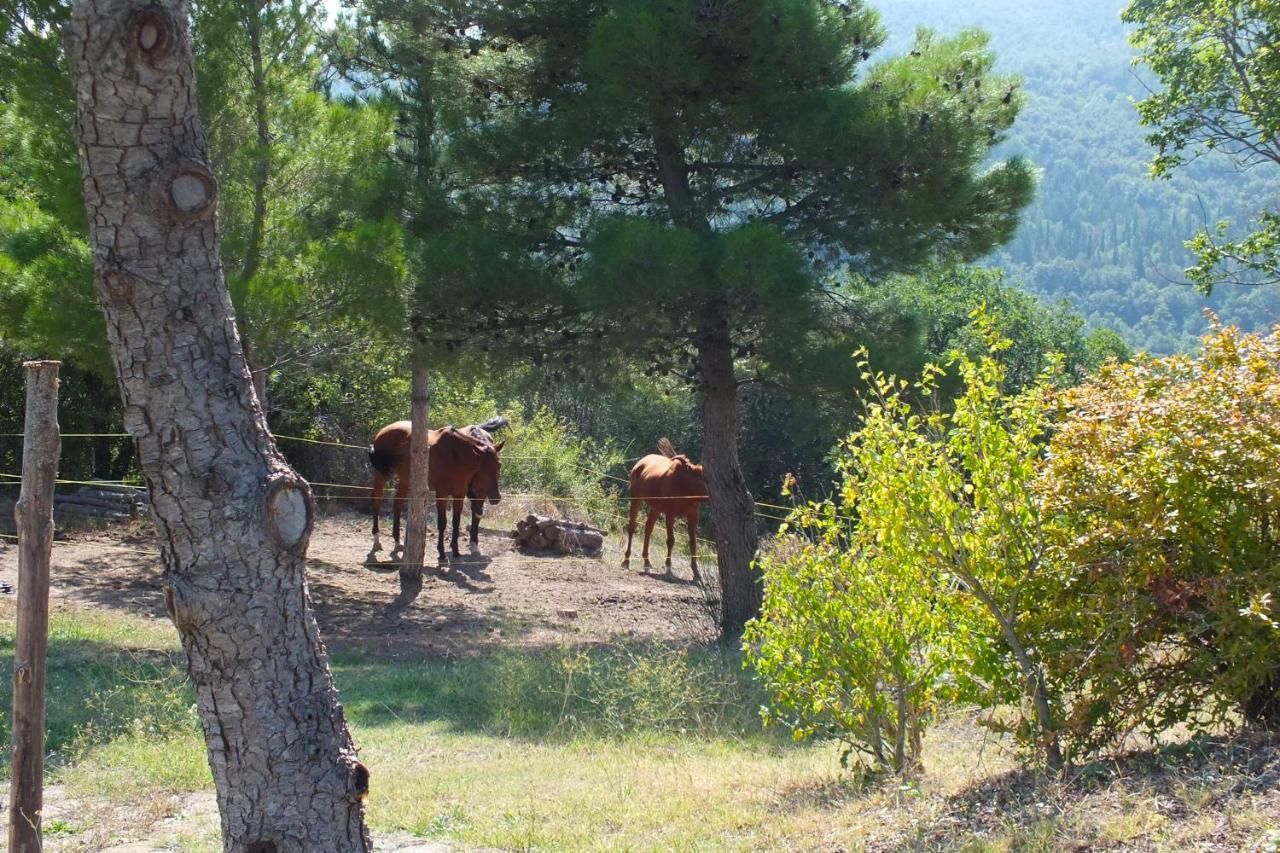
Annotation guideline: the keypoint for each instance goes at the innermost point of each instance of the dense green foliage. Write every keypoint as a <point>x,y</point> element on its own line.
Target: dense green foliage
<point>1162,484</point>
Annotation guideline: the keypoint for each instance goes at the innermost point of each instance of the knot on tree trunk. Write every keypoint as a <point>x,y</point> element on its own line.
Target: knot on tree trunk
<point>151,35</point>
<point>289,512</point>
<point>185,191</point>
<point>180,613</point>
<point>357,778</point>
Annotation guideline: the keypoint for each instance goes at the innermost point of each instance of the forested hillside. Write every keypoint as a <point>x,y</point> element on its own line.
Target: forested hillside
<point>1101,232</point>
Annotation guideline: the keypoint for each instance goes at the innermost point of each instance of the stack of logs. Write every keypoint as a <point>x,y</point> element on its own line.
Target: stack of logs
<point>539,533</point>
<point>106,502</point>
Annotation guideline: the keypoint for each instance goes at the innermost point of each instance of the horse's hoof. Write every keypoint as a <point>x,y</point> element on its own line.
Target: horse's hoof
<point>626,564</point>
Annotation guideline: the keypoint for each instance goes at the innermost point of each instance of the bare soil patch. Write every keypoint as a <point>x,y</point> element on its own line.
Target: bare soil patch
<point>494,595</point>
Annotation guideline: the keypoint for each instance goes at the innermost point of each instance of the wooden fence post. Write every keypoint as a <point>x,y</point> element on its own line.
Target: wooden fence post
<point>415,531</point>
<point>41,446</point>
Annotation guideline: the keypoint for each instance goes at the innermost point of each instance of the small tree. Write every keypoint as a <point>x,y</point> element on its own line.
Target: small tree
<point>920,567</point>
<point>1163,489</point>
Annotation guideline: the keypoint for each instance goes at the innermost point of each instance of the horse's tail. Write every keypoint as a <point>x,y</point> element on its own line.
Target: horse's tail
<point>493,424</point>
<point>380,460</point>
<point>666,448</point>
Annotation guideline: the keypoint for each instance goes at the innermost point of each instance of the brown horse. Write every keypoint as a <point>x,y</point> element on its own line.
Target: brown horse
<point>389,457</point>
<point>672,486</point>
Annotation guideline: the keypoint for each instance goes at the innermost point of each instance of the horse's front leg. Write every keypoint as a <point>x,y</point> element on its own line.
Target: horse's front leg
<point>477,510</point>
<point>457,523</point>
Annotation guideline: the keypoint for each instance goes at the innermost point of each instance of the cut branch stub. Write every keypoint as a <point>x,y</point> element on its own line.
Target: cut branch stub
<point>151,34</point>
<point>289,513</point>
<point>185,190</point>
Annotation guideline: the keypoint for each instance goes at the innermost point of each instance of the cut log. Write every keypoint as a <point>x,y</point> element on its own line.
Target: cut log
<point>540,533</point>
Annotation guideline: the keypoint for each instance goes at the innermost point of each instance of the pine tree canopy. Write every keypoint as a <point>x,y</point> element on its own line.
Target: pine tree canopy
<point>703,157</point>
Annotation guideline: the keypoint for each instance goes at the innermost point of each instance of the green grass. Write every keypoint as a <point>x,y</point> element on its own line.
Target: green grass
<point>636,747</point>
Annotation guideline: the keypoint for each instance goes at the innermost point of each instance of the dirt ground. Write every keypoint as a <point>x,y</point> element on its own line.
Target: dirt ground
<point>489,596</point>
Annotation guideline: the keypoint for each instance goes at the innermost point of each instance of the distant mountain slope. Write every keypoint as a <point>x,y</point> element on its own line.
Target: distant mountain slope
<point>1101,232</point>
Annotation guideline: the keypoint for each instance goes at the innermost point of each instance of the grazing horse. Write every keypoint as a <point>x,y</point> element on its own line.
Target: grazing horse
<point>672,486</point>
<point>462,466</point>
<point>389,457</point>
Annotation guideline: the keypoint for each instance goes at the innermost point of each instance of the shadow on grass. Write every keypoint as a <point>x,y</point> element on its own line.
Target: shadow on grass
<point>1204,774</point>
<point>101,687</point>
<point>615,690</point>
<point>98,690</point>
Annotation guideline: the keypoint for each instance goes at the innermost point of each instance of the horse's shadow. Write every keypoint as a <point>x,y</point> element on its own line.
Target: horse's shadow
<point>391,564</point>
<point>668,577</point>
<point>466,571</point>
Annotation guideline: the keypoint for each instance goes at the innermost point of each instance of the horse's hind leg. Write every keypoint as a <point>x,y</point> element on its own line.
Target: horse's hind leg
<point>402,489</point>
<point>650,520</point>
<point>440,526</point>
<point>379,482</point>
<point>692,521</point>
<point>671,537</point>
<point>457,522</point>
<point>633,510</point>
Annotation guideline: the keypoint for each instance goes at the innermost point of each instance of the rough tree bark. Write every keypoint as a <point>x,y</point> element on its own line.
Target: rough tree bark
<point>732,507</point>
<point>233,519</point>
<point>34,517</point>
<point>415,532</point>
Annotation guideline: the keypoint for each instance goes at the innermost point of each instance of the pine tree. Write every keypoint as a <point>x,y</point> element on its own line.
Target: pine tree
<point>698,164</point>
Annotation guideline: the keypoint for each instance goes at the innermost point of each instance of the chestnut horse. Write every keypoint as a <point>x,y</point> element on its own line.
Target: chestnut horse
<point>389,457</point>
<point>672,486</point>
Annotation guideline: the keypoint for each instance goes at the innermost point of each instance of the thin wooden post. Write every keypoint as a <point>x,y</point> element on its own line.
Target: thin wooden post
<point>41,446</point>
<point>415,532</point>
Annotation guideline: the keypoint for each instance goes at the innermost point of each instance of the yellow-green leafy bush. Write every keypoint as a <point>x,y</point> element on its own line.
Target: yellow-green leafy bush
<point>910,586</point>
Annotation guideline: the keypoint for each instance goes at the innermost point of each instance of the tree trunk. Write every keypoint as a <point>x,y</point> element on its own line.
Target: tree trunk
<point>34,517</point>
<point>732,508</point>
<point>1036,688</point>
<point>415,532</point>
<point>233,519</point>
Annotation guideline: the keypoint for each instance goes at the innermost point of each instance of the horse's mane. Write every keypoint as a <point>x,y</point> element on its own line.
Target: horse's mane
<point>666,448</point>
<point>493,424</point>
<point>453,432</point>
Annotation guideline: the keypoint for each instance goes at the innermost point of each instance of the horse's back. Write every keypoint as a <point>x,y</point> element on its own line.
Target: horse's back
<point>649,474</point>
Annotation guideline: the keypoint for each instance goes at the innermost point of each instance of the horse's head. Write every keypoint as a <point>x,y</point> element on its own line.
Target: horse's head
<point>485,484</point>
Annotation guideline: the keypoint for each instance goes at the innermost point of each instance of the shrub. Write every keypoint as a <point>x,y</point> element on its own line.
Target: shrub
<point>545,460</point>
<point>1163,485</point>
<point>909,586</point>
